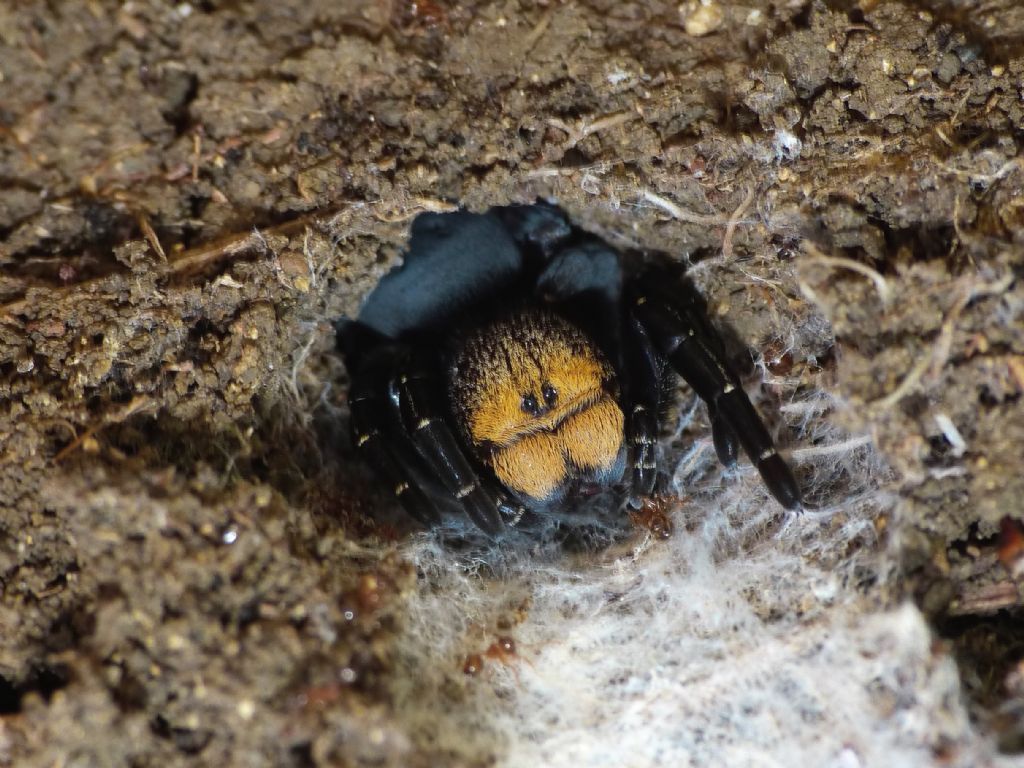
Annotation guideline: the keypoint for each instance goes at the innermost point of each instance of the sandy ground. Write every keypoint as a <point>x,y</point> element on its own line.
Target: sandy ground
<point>189,194</point>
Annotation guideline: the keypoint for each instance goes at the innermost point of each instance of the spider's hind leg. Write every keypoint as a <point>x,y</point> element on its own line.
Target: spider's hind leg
<point>673,315</point>
<point>643,385</point>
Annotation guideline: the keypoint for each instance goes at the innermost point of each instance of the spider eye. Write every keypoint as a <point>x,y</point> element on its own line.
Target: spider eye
<point>550,395</point>
<point>529,405</point>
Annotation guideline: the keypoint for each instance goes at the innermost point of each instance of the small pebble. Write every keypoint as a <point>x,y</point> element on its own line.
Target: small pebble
<point>702,19</point>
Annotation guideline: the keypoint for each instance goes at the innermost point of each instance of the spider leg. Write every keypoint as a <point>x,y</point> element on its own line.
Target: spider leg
<point>383,453</point>
<point>375,432</point>
<point>724,439</point>
<point>424,465</point>
<point>424,422</point>
<point>643,392</point>
<point>676,324</point>
<point>726,445</point>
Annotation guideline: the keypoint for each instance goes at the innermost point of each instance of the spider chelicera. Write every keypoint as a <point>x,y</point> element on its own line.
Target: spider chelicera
<point>514,357</point>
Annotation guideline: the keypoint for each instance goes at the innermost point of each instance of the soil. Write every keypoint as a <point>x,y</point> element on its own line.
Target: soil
<point>191,193</point>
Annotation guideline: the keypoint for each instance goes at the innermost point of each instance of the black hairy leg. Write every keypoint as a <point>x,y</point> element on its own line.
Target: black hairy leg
<point>423,419</point>
<point>672,313</point>
<point>386,450</point>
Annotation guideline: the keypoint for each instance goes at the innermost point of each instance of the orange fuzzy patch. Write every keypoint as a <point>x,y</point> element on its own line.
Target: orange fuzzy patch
<point>592,438</point>
<point>534,466</point>
<point>499,418</point>
<point>499,382</point>
<point>537,464</point>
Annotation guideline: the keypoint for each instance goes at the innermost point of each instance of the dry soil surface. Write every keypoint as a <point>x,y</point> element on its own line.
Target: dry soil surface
<point>190,193</point>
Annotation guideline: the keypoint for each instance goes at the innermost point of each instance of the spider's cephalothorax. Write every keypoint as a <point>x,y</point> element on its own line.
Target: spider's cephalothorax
<point>513,356</point>
<point>537,401</point>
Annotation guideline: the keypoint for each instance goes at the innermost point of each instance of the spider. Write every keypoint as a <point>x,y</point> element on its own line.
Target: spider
<point>514,359</point>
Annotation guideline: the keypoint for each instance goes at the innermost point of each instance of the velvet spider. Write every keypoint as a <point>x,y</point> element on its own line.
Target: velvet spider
<point>514,357</point>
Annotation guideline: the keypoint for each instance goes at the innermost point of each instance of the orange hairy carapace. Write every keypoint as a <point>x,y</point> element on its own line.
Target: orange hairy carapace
<point>539,400</point>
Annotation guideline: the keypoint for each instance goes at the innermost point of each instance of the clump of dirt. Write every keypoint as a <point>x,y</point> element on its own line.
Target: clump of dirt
<point>192,192</point>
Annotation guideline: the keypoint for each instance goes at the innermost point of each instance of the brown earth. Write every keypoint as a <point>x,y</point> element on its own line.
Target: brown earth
<point>190,194</point>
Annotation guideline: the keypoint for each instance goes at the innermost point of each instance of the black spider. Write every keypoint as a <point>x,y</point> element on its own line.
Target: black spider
<point>514,357</point>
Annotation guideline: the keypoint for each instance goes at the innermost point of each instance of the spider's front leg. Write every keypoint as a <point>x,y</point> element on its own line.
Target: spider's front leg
<point>423,417</point>
<point>671,313</point>
<point>384,452</point>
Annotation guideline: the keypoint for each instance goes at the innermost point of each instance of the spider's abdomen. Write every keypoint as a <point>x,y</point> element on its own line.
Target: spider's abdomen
<point>537,400</point>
